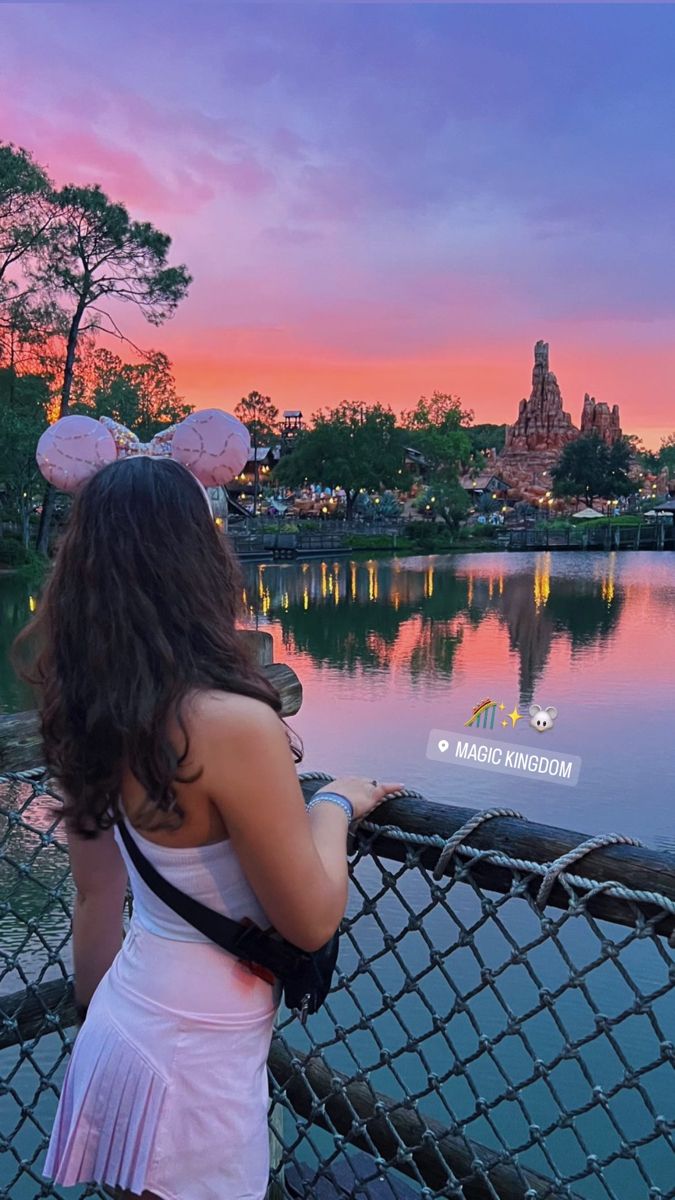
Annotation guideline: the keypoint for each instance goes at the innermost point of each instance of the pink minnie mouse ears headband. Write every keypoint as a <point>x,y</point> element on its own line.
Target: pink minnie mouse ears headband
<point>212,444</point>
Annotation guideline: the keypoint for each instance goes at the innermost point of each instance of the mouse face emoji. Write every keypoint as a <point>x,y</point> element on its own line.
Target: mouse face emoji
<point>542,719</point>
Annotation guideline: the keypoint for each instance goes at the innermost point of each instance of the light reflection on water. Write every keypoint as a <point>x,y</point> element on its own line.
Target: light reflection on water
<point>387,650</point>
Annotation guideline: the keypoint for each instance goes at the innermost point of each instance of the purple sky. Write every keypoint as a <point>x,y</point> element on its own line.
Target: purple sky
<point>380,200</point>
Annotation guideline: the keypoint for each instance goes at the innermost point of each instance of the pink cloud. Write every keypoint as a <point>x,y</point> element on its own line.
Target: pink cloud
<point>174,170</point>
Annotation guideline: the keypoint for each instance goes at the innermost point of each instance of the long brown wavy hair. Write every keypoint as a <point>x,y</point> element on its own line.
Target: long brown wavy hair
<point>139,609</point>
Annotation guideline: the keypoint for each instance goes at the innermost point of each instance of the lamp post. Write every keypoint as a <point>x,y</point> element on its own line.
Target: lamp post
<point>255,467</point>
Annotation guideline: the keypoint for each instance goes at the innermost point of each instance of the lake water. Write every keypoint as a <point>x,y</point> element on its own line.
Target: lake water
<point>389,649</point>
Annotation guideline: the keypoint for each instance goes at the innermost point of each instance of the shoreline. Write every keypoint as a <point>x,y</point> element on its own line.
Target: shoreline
<point>406,551</point>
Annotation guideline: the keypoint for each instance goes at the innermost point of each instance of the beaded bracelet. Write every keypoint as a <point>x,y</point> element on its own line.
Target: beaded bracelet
<point>333,798</point>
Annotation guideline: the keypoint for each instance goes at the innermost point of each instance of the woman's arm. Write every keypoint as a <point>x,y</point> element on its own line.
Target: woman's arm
<point>295,862</point>
<point>101,879</point>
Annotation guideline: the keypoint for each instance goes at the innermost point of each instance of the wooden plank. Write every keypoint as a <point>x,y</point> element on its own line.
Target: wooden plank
<point>36,1010</point>
<point>634,866</point>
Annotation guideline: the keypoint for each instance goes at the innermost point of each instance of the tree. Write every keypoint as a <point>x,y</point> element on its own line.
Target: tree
<point>617,481</point>
<point>486,437</point>
<point>581,468</point>
<point>445,499</point>
<point>23,413</point>
<point>141,396</point>
<point>386,506</point>
<point>647,459</point>
<point>487,503</point>
<point>32,333</point>
<point>25,211</point>
<point>93,256</point>
<point>588,467</point>
<point>435,427</point>
<point>389,505</point>
<point>16,330</point>
<point>666,454</point>
<point>352,447</point>
<point>260,417</point>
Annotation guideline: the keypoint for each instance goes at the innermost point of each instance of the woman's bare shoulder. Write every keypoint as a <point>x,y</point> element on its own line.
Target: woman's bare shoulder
<point>229,734</point>
<point>211,713</point>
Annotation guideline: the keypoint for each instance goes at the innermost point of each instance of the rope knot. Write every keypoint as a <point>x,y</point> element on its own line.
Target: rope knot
<point>466,829</point>
<point>572,856</point>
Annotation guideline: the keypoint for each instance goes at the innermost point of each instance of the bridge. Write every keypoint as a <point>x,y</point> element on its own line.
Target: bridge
<point>649,535</point>
<point>501,1026</point>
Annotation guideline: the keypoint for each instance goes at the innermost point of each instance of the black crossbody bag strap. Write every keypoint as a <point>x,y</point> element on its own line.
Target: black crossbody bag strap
<point>245,941</point>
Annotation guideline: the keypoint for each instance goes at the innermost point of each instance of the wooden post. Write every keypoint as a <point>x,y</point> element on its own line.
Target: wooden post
<point>260,645</point>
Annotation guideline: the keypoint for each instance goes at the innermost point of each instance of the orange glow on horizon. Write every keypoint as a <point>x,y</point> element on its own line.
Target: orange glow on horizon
<point>207,374</point>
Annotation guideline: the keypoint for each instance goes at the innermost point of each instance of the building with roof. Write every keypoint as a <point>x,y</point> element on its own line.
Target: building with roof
<point>484,483</point>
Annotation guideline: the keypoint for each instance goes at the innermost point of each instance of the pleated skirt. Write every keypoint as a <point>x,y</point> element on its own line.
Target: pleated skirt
<point>166,1088</point>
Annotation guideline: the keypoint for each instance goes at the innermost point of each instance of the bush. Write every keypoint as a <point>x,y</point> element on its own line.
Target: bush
<point>421,533</point>
<point>12,553</point>
<point>283,526</point>
<point>486,532</point>
<point>372,541</point>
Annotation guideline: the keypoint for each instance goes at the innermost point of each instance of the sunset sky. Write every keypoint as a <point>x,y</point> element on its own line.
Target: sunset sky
<point>380,200</point>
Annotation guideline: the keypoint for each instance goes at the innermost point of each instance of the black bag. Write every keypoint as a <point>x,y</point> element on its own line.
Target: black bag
<point>306,976</point>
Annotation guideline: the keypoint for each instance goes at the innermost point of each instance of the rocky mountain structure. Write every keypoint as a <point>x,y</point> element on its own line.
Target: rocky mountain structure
<point>598,418</point>
<point>542,424</point>
<point>541,430</point>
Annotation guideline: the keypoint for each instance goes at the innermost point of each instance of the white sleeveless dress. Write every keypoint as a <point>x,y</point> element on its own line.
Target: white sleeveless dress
<point>166,1088</point>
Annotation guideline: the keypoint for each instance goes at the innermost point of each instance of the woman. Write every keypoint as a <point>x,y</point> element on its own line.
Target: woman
<point>153,715</point>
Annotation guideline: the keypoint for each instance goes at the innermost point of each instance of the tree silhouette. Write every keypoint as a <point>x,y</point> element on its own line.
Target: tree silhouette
<point>25,208</point>
<point>351,446</point>
<point>588,467</point>
<point>260,417</point>
<point>94,257</point>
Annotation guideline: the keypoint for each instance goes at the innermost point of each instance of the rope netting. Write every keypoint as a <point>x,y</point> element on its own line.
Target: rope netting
<point>478,1043</point>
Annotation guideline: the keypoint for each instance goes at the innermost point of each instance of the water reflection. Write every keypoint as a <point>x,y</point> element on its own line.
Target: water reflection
<point>413,612</point>
<point>18,600</point>
<point>387,649</point>
<point>410,612</point>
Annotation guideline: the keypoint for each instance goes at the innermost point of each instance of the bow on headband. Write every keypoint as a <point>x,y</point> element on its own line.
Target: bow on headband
<point>212,444</point>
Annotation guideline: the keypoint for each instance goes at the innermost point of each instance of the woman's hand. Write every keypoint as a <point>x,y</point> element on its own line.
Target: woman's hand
<point>363,794</point>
